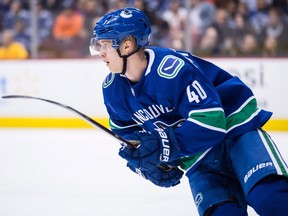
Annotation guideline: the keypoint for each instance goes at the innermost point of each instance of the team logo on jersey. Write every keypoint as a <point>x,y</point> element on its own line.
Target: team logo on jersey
<point>170,66</point>
<point>109,79</point>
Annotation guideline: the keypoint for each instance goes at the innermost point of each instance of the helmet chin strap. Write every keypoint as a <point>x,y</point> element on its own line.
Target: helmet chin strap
<point>124,57</point>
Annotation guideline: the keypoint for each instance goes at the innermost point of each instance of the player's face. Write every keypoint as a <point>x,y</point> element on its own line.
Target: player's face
<point>109,55</point>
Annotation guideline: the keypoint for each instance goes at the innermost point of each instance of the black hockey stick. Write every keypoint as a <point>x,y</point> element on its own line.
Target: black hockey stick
<point>88,119</point>
<point>94,123</point>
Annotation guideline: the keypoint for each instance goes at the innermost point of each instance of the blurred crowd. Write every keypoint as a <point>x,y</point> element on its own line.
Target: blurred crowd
<point>208,28</point>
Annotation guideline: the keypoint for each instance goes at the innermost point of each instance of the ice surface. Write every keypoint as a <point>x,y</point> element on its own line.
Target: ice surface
<point>72,172</point>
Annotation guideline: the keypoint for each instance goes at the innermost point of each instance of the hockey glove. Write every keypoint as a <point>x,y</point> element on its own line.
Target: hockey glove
<point>160,177</point>
<point>157,147</point>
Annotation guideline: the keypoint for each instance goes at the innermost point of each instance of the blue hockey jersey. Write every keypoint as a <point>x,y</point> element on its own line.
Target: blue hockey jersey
<point>203,102</point>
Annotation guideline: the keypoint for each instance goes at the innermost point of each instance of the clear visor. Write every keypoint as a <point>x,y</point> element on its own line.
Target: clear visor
<point>97,46</point>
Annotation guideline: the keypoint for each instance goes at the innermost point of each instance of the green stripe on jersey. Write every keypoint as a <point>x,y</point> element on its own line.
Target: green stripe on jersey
<point>246,112</point>
<point>213,119</point>
<point>114,126</point>
<point>189,161</point>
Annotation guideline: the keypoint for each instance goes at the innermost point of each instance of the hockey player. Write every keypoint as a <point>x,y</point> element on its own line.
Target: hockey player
<point>190,114</point>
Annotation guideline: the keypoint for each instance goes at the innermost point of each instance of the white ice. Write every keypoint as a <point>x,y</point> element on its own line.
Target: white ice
<point>72,172</point>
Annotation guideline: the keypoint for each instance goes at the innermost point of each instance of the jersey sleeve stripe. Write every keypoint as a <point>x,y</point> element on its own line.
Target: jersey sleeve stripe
<point>212,118</point>
<point>243,115</point>
<point>118,127</point>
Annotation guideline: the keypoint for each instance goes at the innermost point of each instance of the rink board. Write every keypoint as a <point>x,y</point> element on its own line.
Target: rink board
<point>78,83</point>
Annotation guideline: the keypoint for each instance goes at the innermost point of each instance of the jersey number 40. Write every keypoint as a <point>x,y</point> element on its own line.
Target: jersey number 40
<point>197,93</point>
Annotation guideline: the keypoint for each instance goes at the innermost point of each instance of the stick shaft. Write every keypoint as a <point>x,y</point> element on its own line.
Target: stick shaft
<point>83,116</point>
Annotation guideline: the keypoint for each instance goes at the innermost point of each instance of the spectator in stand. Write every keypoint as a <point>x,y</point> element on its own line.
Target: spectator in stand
<point>224,31</point>
<point>4,8</point>
<point>236,27</point>
<point>54,6</point>
<point>68,24</point>
<point>201,16</point>
<point>175,16</point>
<point>45,21</point>
<point>259,19</point>
<point>21,34</point>
<point>67,31</point>
<point>9,49</point>
<point>242,27</point>
<point>250,47</point>
<point>208,45</point>
<point>275,34</point>
<point>253,5</point>
<point>15,13</point>
<point>242,9</point>
<point>231,9</point>
<point>270,47</point>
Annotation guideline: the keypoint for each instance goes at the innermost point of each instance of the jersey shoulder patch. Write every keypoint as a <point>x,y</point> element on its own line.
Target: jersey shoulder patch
<point>108,80</point>
<point>170,66</point>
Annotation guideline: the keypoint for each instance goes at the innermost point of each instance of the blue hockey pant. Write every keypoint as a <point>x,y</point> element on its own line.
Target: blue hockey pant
<point>238,173</point>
